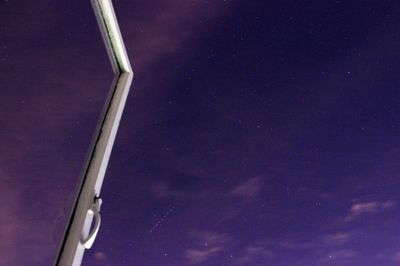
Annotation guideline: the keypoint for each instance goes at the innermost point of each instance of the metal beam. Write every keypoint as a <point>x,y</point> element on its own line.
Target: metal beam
<point>78,237</point>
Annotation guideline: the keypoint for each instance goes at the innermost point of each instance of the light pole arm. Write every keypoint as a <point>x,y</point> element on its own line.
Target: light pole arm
<point>77,237</point>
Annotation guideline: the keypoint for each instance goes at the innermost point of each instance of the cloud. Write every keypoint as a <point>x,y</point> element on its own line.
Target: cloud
<point>366,207</point>
<point>160,190</point>
<point>362,208</point>
<point>295,245</point>
<point>388,204</point>
<point>337,238</point>
<point>22,232</point>
<point>207,245</point>
<point>248,189</point>
<point>157,35</point>
<point>211,238</point>
<point>100,256</point>
<point>196,256</point>
<point>396,257</point>
<point>341,254</point>
<point>254,252</point>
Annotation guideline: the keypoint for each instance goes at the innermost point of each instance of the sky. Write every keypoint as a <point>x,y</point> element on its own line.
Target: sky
<point>255,132</point>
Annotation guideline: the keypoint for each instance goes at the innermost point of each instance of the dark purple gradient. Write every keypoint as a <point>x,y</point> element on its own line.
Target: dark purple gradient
<point>256,132</point>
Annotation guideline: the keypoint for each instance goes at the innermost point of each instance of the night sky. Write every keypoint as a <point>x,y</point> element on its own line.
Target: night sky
<point>255,132</point>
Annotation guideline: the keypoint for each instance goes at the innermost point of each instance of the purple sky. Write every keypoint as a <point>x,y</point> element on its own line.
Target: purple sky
<point>256,132</point>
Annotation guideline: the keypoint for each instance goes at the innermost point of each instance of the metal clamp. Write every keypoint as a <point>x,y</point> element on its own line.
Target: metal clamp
<point>94,210</point>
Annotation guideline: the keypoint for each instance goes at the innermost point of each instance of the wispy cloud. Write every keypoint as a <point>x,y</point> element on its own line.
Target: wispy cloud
<point>248,189</point>
<point>341,254</point>
<point>210,238</point>
<point>100,256</point>
<point>362,208</point>
<point>196,256</point>
<point>254,252</point>
<point>337,238</point>
<point>207,245</point>
<point>156,36</point>
<point>160,190</point>
<point>396,257</point>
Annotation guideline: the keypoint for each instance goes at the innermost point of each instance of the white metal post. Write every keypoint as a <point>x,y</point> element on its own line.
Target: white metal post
<point>78,235</point>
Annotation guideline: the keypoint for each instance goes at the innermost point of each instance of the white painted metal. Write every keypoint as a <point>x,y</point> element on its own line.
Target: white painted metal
<point>87,205</point>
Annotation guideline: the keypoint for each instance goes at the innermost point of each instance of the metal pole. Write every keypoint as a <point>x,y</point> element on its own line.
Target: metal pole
<point>77,237</point>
